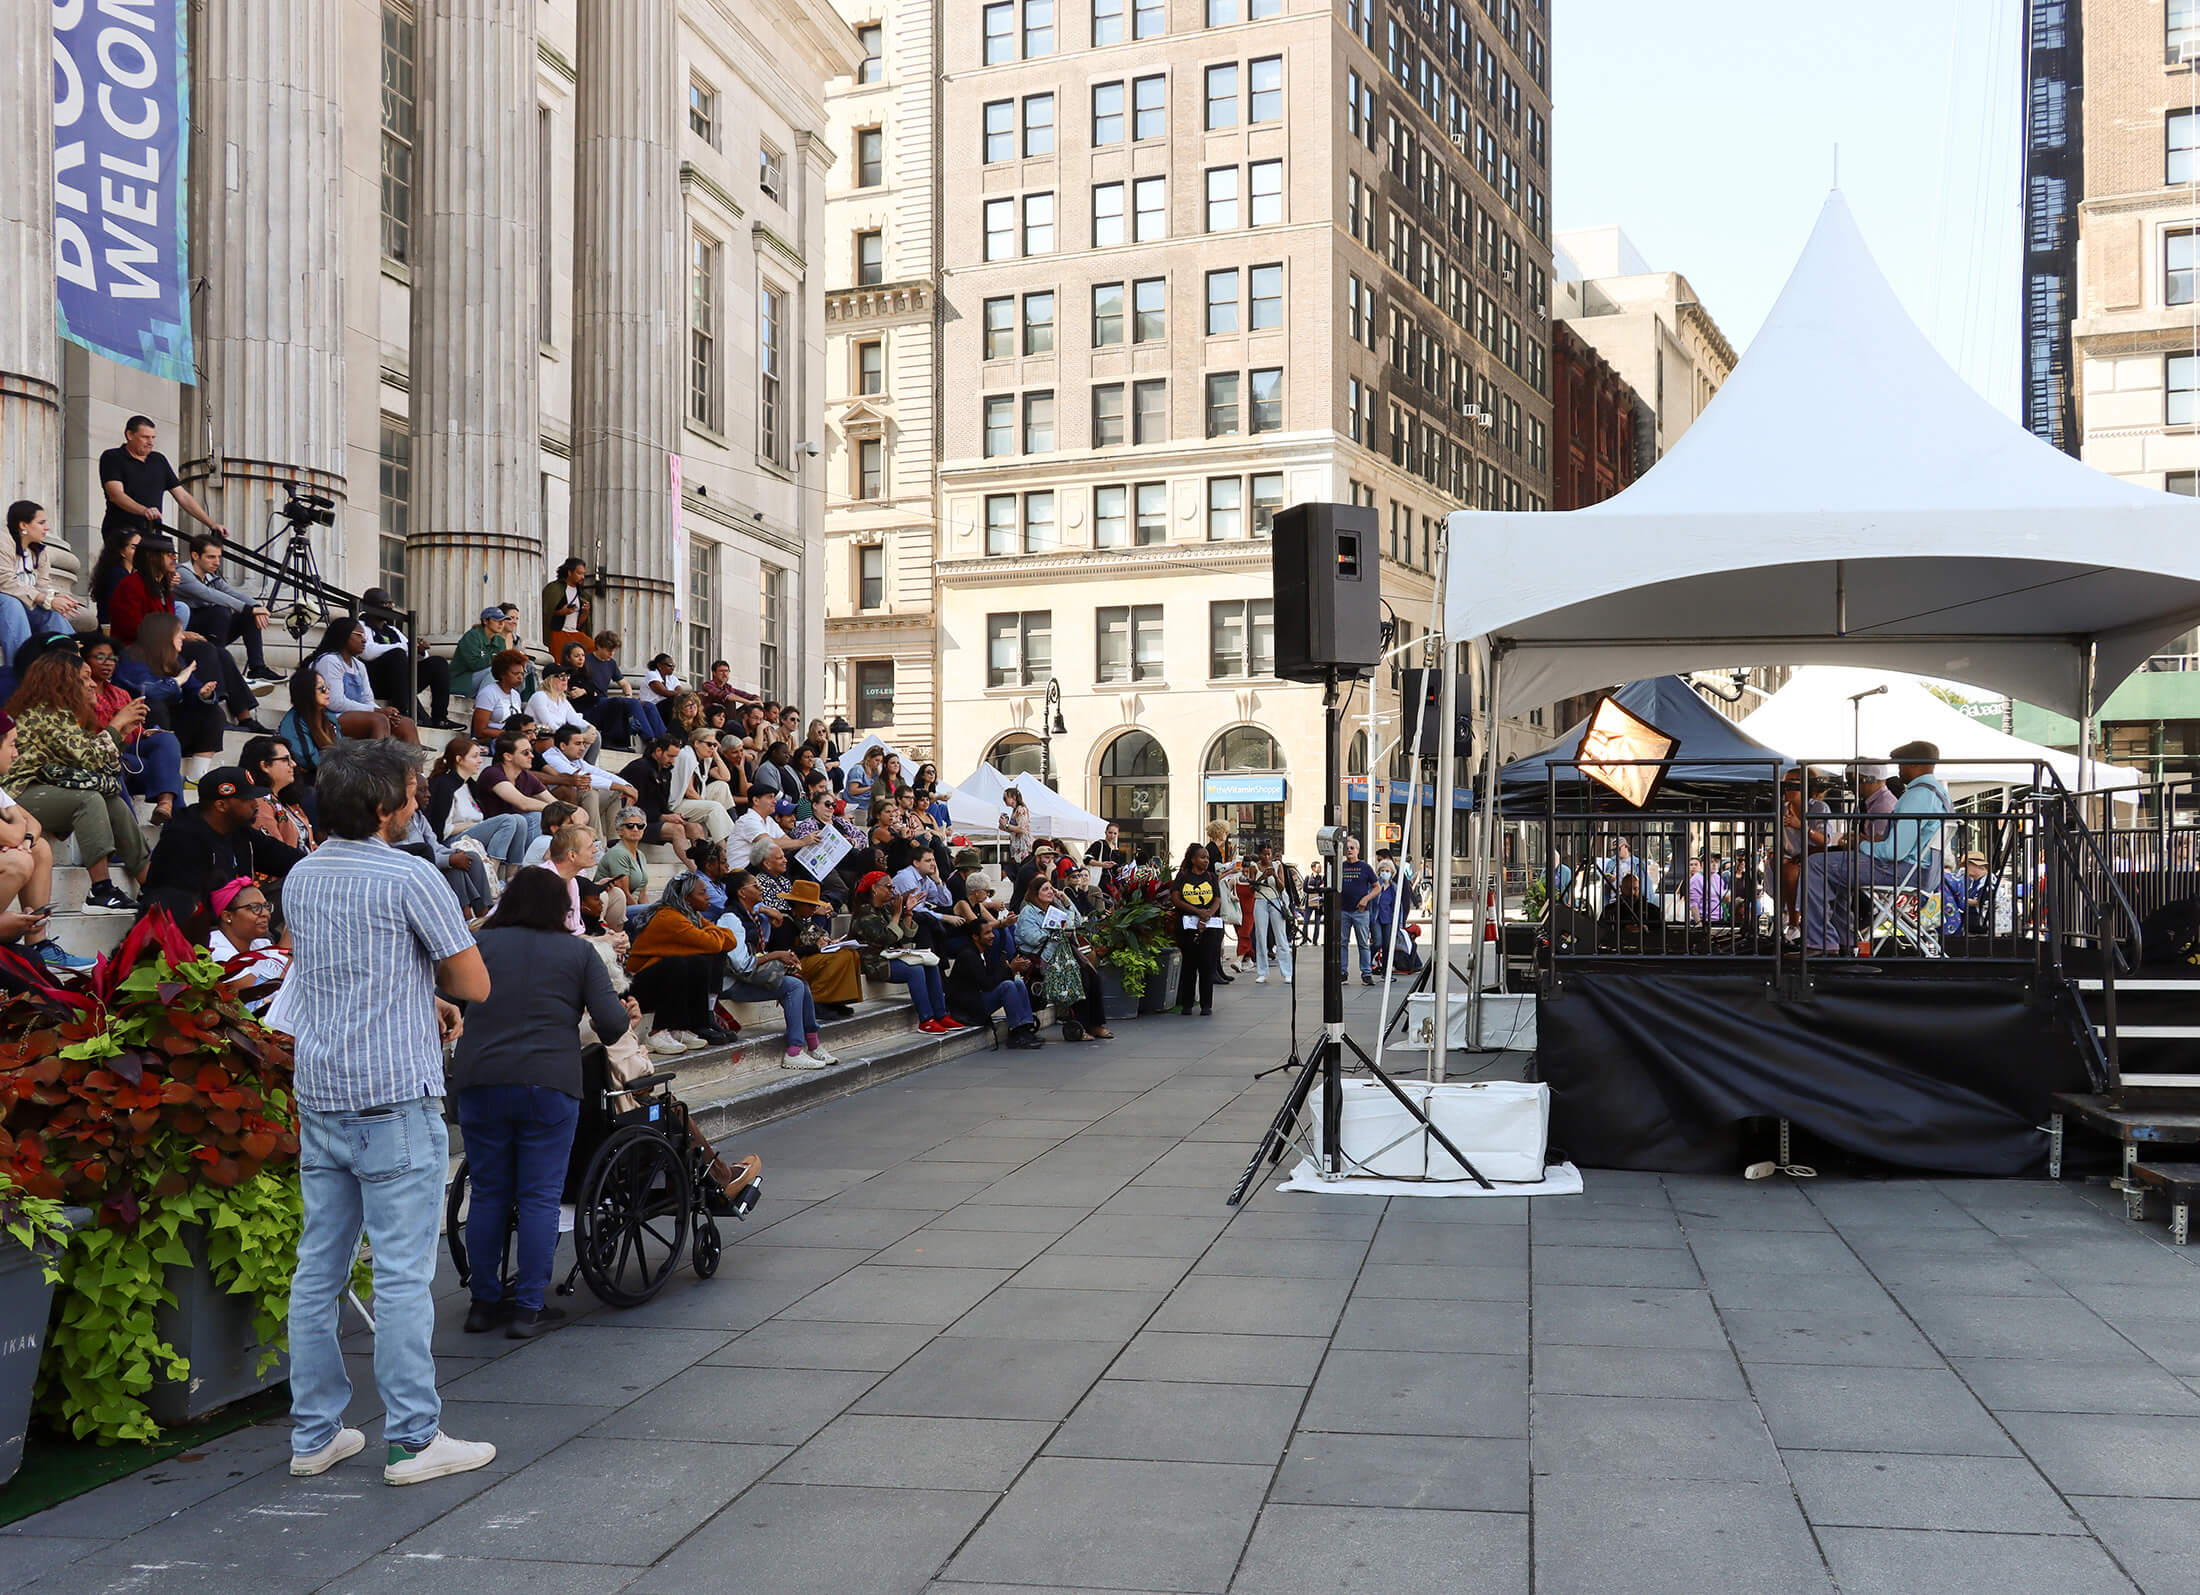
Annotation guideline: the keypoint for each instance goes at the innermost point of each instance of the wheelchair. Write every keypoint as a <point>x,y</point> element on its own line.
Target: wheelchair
<point>640,1187</point>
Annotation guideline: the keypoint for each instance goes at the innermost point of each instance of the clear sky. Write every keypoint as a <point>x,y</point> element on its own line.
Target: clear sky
<point>1706,130</point>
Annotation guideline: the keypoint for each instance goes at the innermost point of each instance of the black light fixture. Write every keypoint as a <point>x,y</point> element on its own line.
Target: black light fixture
<point>1624,752</point>
<point>834,732</point>
<point>1051,725</point>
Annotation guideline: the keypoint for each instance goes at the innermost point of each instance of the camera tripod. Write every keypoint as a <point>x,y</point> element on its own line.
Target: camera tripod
<point>296,567</point>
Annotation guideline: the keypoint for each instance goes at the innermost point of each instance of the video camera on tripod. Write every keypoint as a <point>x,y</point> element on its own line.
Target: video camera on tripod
<point>296,567</point>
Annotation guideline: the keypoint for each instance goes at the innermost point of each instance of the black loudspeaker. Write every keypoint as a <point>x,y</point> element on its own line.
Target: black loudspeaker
<point>1422,692</point>
<point>1328,592</point>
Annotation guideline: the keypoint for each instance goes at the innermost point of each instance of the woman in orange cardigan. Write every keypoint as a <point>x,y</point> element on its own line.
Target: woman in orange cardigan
<point>677,964</point>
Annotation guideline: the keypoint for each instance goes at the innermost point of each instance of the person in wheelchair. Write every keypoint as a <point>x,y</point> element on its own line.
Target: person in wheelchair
<point>517,1081</point>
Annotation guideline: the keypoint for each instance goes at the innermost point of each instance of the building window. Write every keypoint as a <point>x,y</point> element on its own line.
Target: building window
<point>1107,314</point>
<point>1241,638</point>
<point>1000,130</point>
<point>394,479</point>
<point>1267,305</point>
<point>870,259</point>
<point>1352,410</point>
<point>398,129</point>
<point>771,634</point>
<point>1149,107</point>
<point>2178,262</point>
<point>1000,523</point>
<point>1150,411</point>
<point>1000,425</point>
<point>874,693</point>
<point>1267,189</point>
<point>1222,404</point>
<point>2186,484</point>
<point>1111,514</point>
<point>1267,499</point>
<point>1264,84</point>
<point>870,468</point>
<point>1225,508</point>
<point>1038,124</point>
<point>771,172</point>
<point>1222,95</point>
<point>1264,388</point>
<point>873,39</point>
<point>2184,141</point>
<point>1039,423</point>
<point>2182,379</point>
<point>871,366</point>
<point>1038,224</point>
<point>870,157</point>
<point>1107,113</point>
<point>1153,513</point>
<point>545,208</point>
<point>1019,648</point>
<point>771,373</point>
<point>2181,35</point>
<point>1150,205</point>
<point>1107,214</point>
<point>703,111</point>
<point>1149,310</point>
<point>1000,328</point>
<point>702,608</point>
<point>1222,198</point>
<point>1221,13</point>
<point>1000,229</point>
<point>703,330</point>
<point>1222,303</point>
<point>1000,32</point>
<point>1150,18</point>
<point>870,576</point>
<point>1107,22</point>
<point>1038,28</point>
<point>1127,643</point>
<point>1107,424</point>
<point>1039,323</point>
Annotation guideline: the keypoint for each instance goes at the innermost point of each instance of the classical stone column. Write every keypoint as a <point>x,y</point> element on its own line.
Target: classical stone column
<point>267,171</point>
<point>629,303</point>
<point>30,351</point>
<point>476,530</point>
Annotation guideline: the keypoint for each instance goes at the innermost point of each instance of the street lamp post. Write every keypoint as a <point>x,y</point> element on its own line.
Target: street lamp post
<point>1051,725</point>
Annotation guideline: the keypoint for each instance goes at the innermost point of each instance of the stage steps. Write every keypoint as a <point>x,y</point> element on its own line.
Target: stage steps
<point>2151,1107</point>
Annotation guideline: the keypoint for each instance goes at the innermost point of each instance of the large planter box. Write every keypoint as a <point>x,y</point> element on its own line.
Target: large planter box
<point>213,1329</point>
<point>1115,1002</point>
<point>1161,987</point>
<point>26,1301</point>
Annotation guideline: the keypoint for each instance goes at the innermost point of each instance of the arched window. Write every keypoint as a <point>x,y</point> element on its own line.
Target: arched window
<point>1244,748</point>
<point>1254,817</point>
<point>1016,755</point>
<point>1356,761</point>
<point>1134,793</point>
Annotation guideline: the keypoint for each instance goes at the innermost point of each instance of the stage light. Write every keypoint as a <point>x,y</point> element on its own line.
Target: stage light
<point>1624,752</point>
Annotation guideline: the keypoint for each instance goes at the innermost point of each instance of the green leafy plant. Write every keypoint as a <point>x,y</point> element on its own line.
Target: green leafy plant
<point>37,1224</point>
<point>1132,936</point>
<point>150,1095</point>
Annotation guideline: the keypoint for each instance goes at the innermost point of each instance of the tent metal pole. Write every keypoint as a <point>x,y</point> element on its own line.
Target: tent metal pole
<point>2085,719</point>
<point>1446,659</point>
<point>1485,808</point>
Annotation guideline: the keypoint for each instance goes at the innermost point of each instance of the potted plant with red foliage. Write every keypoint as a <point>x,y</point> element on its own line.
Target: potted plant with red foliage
<point>1136,953</point>
<point>148,1094</point>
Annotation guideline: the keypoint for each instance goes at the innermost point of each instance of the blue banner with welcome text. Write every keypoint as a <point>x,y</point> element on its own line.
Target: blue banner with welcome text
<point>121,118</point>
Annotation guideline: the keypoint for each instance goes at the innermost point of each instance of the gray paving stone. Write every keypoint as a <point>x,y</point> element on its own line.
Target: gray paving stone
<point>1598,1536</point>
<point>403,1573</point>
<point>1864,1489</point>
<point>1282,1259</point>
<point>916,1453</point>
<point>2015,1384</point>
<point>1618,1315</point>
<point>805,1539</point>
<point>25,1557</point>
<point>1029,1220</point>
<point>1915,1562</point>
<point>1433,1283</point>
<point>1615,1266</point>
<point>1221,1359</point>
<point>1179,1201</point>
<point>1068,1521</point>
<point>1290,1224</point>
<point>1022,1314</point>
<point>810,1343</point>
<point>984,1378</point>
<point>1216,1304</point>
<point>2157,1541</point>
<point>1744,1251</point>
<point>927,1187</point>
<point>831,1225</point>
<point>933,1247</point>
<point>2051,1328</point>
<point>1638,1371</point>
<point>1058,1271</point>
<point>1875,1409</point>
<point>1406,1392</point>
<point>877,1294</point>
<point>1607,1227</point>
<point>750,1406</point>
<point>1870,1332</point>
<point>1793,1292</point>
<point>1425,1245</point>
<point>1447,1472</point>
<point>2131,1454</point>
<point>1386,1552</point>
<point>1141,1235</point>
<point>1177,1422</point>
<point>160,1491</point>
<point>641,1499</point>
<point>1648,1437</point>
<point>2002,1272</point>
<point>1383,1323</point>
<point>592,1364</point>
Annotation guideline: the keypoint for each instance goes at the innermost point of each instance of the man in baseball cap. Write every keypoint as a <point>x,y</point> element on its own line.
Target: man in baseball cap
<point>210,844</point>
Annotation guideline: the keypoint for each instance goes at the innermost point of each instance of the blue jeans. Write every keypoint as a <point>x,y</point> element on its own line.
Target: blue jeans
<point>161,756</point>
<point>1013,998</point>
<point>519,1139</point>
<point>504,837</point>
<point>1358,922</point>
<point>794,1002</point>
<point>18,620</point>
<point>620,718</point>
<point>380,1169</point>
<point>925,990</point>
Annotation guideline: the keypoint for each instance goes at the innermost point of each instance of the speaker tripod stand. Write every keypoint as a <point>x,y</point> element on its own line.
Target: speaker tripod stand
<point>1325,1060</point>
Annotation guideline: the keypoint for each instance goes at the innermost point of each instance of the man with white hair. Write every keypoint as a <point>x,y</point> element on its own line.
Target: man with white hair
<point>1876,797</point>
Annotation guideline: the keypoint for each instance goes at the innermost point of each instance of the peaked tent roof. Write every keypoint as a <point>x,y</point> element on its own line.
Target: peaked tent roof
<point>1846,498</point>
<point>1714,751</point>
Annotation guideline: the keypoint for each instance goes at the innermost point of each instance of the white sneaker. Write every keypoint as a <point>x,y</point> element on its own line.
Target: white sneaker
<point>306,1465</point>
<point>802,1060</point>
<point>1260,980</point>
<point>665,1043</point>
<point>690,1040</point>
<point>819,1055</point>
<point>439,1458</point>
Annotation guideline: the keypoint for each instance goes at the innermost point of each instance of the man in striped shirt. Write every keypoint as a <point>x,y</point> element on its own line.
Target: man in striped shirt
<point>375,934</point>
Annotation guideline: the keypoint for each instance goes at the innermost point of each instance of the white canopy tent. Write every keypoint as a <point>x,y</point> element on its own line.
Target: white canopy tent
<point>974,807</point>
<point>854,756</point>
<point>1812,717</point>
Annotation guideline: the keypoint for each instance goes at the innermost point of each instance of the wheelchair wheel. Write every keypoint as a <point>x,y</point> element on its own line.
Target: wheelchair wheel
<point>631,1222</point>
<point>454,1223</point>
<point>708,1246</point>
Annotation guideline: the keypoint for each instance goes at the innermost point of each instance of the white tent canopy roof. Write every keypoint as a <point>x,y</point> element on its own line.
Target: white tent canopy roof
<point>974,807</point>
<point>1811,718</point>
<point>1846,498</point>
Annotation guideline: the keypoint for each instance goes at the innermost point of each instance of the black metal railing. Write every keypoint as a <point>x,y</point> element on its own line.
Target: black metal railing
<point>319,599</point>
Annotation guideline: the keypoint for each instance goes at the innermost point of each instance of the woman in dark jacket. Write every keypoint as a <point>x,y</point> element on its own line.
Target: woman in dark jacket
<point>1195,904</point>
<point>517,1077</point>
